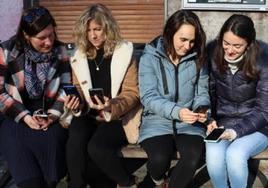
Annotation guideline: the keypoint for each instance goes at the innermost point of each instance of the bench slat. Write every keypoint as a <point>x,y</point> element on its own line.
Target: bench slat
<point>136,151</point>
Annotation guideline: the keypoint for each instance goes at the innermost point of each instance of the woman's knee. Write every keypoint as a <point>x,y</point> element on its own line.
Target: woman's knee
<point>97,150</point>
<point>215,156</point>
<point>236,156</point>
<point>158,165</point>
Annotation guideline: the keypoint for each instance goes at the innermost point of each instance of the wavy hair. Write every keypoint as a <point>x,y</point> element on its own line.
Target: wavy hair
<point>173,25</point>
<point>243,27</point>
<point>103,16</point>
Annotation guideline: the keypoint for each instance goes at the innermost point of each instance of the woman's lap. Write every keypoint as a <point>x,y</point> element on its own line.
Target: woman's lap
<point>31,153</point>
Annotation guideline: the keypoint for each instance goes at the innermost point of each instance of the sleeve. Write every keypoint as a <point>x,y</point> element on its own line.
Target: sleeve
<point>64,77</point>
<point>201,92</point>
<point>213,94</point>
<point>258,117</point>
<point>83,104</point>
<point>9,106</point>
<point>129,95</point>
<point>151,97</point>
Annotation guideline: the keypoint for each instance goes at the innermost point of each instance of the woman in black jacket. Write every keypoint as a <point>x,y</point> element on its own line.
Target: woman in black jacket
<point>239,93</point>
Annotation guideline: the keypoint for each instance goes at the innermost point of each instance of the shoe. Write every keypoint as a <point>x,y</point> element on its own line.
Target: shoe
<point>163,184</point>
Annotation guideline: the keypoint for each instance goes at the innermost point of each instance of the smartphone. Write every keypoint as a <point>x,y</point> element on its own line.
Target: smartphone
<point>214,136</point>
<point>71,90</point>
<point>202,109</point>
<point>98,92</point>
<point>41,115</point>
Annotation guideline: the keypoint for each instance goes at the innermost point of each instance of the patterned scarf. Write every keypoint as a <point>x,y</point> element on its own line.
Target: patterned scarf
<point>36,71</point>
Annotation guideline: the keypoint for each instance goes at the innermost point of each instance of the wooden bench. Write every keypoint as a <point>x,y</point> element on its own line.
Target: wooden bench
<point>136,151</point>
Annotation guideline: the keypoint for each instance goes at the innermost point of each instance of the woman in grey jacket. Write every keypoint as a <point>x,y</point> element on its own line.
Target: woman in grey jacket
<point>173,82</point>
<point>239,91</point>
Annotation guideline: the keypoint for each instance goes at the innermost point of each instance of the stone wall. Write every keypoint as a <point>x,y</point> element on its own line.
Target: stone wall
<point>213,20</point>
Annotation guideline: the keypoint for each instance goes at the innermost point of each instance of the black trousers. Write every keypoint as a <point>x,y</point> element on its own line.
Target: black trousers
<point>92,154</point>
<point>160,151</point>
<point>82,170</point>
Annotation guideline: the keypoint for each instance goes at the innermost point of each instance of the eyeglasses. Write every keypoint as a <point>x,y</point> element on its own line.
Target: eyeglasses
<point>34,14</point>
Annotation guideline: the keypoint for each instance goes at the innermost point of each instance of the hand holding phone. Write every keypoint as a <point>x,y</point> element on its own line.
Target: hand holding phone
<point>40,114</point>
<point>202,109</point>
<point>214,136</point>
<point>71,90</point>
<point>96,92</point>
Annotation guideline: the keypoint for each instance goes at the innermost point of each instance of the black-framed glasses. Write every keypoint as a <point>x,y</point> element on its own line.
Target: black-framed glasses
<point>34,14</point>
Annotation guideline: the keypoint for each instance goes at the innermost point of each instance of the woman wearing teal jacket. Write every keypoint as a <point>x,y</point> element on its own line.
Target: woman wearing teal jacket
<point>173,82</point>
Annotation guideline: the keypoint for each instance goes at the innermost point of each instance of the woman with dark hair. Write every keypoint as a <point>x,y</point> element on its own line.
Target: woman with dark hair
<point>239,93</point>
<point>173,83</point>
<point>32,69</point>
<point>102,59</point>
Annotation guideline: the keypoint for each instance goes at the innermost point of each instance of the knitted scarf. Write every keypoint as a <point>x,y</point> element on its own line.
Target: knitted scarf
<point>36,69</point>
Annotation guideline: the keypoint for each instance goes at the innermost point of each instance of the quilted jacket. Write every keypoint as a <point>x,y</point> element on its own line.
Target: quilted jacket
<point>159,81</point>
<point>239,103</point>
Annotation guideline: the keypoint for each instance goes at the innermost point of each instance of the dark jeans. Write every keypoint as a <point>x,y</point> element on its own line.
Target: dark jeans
<point>160,151</point>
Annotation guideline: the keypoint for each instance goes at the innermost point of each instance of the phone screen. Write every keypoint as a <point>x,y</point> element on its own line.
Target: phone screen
<point>71,90</point>
<point>214,136</point>
<point>98,92</point>
<point>201,109</point>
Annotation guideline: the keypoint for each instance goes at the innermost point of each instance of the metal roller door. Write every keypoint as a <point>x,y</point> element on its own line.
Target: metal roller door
<point>139,20</point>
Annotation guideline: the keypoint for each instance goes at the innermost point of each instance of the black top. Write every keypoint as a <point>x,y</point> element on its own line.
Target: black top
<point>100,71</point>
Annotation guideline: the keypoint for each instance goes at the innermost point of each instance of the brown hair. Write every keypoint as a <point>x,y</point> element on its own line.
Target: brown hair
<point>241,26</point>
<point>173,25</point>
<point>32,22</point>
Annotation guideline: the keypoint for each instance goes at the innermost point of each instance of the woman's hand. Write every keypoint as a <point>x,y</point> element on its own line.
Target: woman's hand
<point>98,105</point>
<point>106,107</point>
<point>229,134</point>
<point>31,122</point>
<point>212,125</point>
<point>188,116</point>
<point>202,117</point>
<point>43,122</point>
<point>72,102</point>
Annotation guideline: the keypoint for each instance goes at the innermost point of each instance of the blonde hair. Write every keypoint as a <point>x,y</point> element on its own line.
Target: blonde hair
<point>102,16</point>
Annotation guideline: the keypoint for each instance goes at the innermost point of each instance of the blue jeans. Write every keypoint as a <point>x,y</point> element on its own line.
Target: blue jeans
<point>229,160</point>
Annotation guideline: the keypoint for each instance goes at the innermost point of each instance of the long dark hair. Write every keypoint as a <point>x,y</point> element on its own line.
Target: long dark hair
<point>243,27</point>
<point>174,23</point>
<point>32,22</point>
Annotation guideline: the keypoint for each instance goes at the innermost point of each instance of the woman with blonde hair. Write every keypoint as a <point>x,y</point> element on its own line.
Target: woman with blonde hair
<point>102,60</point>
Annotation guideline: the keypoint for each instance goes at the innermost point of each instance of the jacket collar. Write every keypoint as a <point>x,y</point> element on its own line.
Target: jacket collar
<point>120,61</point>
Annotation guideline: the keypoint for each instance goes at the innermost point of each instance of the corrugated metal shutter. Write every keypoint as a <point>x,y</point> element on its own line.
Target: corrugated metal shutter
<point>139,20</point>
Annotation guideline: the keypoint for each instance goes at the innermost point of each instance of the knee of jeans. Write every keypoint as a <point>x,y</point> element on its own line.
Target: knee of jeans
<point>236,156</point>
